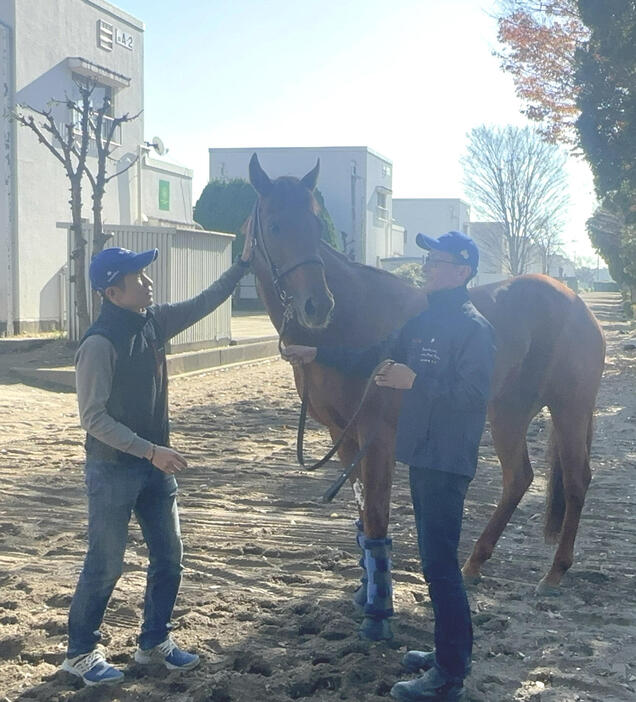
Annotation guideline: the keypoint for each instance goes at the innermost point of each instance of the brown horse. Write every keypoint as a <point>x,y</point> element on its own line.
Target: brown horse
<point>550,352</point>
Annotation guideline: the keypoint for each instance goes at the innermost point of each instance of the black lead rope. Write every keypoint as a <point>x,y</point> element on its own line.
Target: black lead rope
<point>334,488</point>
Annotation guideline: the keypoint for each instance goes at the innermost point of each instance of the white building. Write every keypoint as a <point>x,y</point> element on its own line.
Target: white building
<point>431,216</point>
<point>489,237</point>
<point>44,46</point>
<point>356,184</point>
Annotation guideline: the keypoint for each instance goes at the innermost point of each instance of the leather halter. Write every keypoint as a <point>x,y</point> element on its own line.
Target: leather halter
<point>258,242</point>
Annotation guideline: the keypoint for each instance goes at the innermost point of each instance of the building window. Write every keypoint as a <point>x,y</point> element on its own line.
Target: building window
<point>164,195</point>
<point>105,35</point>
<point>382,209</point>
<point>100,94</point>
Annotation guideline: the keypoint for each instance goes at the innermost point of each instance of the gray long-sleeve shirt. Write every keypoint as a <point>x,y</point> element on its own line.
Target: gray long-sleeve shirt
<point>96,359</point>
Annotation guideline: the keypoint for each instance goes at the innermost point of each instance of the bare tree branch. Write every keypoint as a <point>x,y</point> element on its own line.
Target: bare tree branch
<point>513,177</point>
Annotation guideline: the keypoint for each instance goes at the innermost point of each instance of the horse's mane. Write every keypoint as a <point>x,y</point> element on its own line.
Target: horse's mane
<point>356,266</point>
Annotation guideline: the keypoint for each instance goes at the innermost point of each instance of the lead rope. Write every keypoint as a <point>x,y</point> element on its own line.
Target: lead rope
<point>335,486</point>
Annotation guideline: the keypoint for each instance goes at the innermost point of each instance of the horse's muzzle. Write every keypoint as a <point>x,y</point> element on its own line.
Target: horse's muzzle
<point>315,312</point>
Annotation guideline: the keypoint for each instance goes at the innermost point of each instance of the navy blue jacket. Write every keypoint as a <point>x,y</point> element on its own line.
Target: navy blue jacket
<point>451,348</point>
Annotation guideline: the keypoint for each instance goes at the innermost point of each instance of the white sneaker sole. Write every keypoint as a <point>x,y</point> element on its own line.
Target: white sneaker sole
<point>90,683</point>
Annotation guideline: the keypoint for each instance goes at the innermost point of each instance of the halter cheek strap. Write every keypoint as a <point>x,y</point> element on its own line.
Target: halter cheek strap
<point>277,275</point>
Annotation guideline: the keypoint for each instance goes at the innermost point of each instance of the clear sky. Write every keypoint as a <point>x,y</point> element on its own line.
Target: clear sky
<point>408,78</point>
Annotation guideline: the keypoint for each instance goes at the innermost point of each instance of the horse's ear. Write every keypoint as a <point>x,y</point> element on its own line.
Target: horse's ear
<point>310,180</point>
<point>258,178</point>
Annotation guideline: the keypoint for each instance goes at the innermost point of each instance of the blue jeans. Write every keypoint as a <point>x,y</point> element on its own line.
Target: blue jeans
<point>438,504</point>
<point>115,490</point>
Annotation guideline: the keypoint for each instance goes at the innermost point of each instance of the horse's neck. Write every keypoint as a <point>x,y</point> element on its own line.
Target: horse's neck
<point>369,303</point>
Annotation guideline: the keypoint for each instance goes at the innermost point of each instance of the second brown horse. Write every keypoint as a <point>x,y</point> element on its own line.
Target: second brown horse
<point>550,353</point>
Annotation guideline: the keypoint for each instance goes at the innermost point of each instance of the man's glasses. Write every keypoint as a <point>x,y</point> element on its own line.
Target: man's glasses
<point>433,261</point>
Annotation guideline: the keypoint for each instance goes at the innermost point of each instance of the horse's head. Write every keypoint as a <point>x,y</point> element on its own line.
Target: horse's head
<point>287,231</point>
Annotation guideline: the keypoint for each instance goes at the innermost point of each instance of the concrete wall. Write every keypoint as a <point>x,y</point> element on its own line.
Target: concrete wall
<point>179,202</point>
<point>490,241</point>
<point>431,216</point>
<point>379,178</point>
<point>349,181</point>
<point>397,240</point>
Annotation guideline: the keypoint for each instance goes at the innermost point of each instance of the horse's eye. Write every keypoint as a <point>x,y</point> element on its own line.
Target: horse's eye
<point>274,228</point>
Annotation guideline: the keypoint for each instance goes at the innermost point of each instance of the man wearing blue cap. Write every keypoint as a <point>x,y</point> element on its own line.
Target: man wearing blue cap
<point>443,361</point>
<point>122,392</point>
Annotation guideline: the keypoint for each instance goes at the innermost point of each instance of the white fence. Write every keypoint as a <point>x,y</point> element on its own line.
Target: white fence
<point>189,260</point>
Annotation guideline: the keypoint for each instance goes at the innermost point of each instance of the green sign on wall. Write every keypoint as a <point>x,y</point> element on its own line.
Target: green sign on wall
<point>164,195</point>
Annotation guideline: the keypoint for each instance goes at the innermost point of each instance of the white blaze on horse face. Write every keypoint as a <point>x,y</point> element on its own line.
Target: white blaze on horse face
<point>358,493</point>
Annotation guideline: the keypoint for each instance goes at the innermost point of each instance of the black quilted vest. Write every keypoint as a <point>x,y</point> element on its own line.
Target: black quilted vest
<point>139,395</point>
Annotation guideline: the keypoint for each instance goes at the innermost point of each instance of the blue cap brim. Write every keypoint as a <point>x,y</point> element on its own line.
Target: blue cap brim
<point>141,260</point>
<point>426,242</point>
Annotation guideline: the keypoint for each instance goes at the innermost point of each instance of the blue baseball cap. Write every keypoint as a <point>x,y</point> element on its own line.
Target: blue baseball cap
<point>460,245</point>
<point>110,264</point>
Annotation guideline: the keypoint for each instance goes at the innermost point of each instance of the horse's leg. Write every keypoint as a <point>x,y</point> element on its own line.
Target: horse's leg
<point>509,425</point>
<point>377,473</point>
<point>569,480</point>
<point>347,452</point>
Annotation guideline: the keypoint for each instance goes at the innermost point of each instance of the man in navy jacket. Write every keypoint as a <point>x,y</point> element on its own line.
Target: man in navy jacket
<point>443,359</point>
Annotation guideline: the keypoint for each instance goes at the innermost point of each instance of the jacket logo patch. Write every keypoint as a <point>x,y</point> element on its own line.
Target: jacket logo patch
<point>429,355</point>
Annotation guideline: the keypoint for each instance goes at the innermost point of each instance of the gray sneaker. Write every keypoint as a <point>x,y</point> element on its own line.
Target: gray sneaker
<point>418,660</point>
<point>168,654</point>
<point>432,686</point>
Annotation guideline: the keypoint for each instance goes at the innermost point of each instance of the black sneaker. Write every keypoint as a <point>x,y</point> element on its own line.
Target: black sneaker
<point>431,686</point>
<point>418,660</point>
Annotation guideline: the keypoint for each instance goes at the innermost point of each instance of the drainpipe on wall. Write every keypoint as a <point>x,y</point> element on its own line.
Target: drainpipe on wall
<point>9,139</point>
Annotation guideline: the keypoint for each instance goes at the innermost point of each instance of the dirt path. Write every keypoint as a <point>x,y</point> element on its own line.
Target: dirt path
<point>270,570</point>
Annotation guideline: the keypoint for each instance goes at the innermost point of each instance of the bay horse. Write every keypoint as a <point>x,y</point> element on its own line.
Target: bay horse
<point>550,353</point>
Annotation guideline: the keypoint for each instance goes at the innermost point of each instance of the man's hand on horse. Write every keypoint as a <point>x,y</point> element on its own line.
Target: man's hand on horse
<point>395,375</point>
<point>298,355</point>
<point>248,247</point>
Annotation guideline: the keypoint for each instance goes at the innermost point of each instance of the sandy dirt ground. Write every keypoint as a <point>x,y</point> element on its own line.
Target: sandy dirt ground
<point>269,569</point>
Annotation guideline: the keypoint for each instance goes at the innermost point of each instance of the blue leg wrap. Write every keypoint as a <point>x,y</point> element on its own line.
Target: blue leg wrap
<point>377,561</point>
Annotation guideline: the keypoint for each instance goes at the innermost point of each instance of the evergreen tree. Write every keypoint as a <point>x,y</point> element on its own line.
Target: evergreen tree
<point>606,72</point>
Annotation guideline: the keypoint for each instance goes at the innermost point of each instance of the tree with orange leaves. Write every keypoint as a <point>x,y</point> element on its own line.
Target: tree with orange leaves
<point>540,39</point>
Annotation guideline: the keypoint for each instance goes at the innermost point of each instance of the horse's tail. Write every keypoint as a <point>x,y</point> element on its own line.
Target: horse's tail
<point>555,497</point>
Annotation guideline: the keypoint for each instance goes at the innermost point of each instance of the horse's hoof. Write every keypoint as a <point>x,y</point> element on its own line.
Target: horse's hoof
<point>375,629</point>
<point>544,589</point>
<point>471,580</point>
